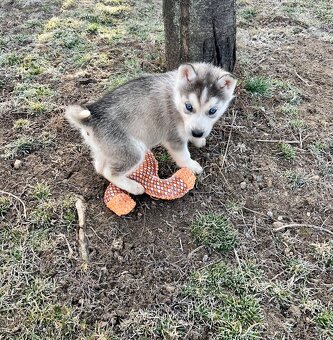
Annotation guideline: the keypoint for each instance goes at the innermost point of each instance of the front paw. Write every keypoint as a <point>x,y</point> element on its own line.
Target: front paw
<point>199,142</point>
<point>135,188</point>
<point>195,167</point>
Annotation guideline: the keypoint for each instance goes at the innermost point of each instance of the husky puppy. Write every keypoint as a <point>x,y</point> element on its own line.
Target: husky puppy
<point>170,109</point>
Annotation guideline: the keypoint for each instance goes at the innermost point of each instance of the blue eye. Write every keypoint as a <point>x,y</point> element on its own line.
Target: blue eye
<point>212,111</point>
<point>189,107</point>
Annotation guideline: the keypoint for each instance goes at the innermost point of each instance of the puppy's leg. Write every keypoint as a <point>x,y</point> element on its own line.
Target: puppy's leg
<point>179,152</point>
<point>116,161</point>
<point>122,182</point>
<point>123,161</point>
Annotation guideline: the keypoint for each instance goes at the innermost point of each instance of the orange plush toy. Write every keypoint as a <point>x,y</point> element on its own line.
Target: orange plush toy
<point>147,175</point>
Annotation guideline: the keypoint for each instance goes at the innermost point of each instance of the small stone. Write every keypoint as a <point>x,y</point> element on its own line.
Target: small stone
<point>316,178</point>
<point>269,183</point>
<point>169,288</point>
<point>270,214</point>
<point>17,164</point>
<point>103,324</point>
<point>277,224</point>
<point>287,251</point>
<point>258,178</point>
<point>243,185</point>
<point>280,218</point>
<point>308,214</point>
<point>205,258</point>
<point>295,311</point>
<point>117,244</point>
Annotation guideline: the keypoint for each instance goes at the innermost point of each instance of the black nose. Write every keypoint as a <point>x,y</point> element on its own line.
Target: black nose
<point>197,133</point>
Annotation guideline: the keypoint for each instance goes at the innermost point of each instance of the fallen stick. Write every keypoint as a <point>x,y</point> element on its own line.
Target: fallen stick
<point>229,138</point>
<point>295,225</point>
<point>10,194</point>
<point>277,141</point>
<point>81,209</point>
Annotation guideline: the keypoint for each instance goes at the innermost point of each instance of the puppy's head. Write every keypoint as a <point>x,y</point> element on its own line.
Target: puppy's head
<point>203,93</point>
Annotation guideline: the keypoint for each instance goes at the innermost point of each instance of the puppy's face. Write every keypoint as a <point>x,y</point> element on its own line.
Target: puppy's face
<point>203,93</point>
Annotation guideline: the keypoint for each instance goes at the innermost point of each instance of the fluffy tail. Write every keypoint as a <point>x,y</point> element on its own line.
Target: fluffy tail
<point>77,115</point>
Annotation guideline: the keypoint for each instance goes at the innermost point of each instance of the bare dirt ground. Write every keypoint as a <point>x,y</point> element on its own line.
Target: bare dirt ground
<point>211,265</point>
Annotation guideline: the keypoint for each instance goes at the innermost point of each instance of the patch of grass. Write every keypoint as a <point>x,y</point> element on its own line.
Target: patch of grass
<point>35,97</point>
<point>20,147</point>
<point>323,252</point>
<point>288,92</point>
<point>5,204</point>
<point>308,303</point>
<point>290,110</point>
<point>36,107</point>
<point>281,291</point>
<point>215,231</point>
<point>249,13</point>
<point>69,40</point>
<point>42,215</point>
<point>149,324</point>
<point>109,11</point>
<point>287,151</point>
<point>41,240</point>
<point>41,191</point>
<point>27,299</point>
<point>257,85</point>
<point>34,91</point>
<point>318,148</point>
<point>225,300</point>
<point>21,124</point>
<point>83,60</point>
<point>296,124</point>
<point>53,23</point>
<point>10,59</point>
<point>324,321</point>
<point>298,268</point>
<point>163,157</point>
<point>93,27</point>
<point>295,179</point>
<point>31,66</point>
<point>117,81</point>
<point>234,208</point>
<point>324,11</point>
<point>33,23</point>
<point>68,211</point>
<point>67,4</point>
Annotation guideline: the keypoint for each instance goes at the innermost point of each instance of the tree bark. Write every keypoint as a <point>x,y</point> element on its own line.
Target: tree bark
<point>200,30</point>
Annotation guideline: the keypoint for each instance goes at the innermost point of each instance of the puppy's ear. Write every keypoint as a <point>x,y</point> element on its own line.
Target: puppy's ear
<point>228,83</point>
<point>186,74</point>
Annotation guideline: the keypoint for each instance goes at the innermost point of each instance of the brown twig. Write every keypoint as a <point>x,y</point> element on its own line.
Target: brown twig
<point>303,80</point>
<point>237,259</point>
<point>70,250</point>
<point>296,225</point>
<point>277,141</point>
<point>255,224</point>
<point>229,138</point>
<point>81,209</point>
<point>194,251</point>
<point>10,194</point>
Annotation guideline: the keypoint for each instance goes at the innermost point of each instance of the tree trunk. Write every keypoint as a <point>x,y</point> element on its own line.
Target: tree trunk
<point>200,30</point>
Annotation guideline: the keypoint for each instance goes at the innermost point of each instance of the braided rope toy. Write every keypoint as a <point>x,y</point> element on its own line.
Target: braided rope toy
<point>171,188</point>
